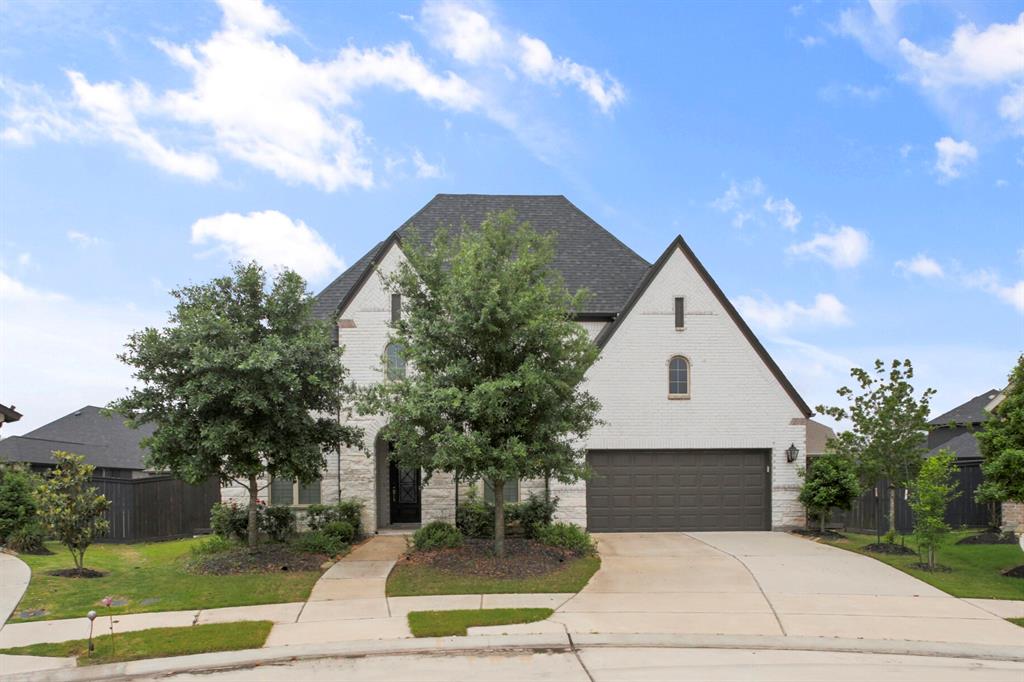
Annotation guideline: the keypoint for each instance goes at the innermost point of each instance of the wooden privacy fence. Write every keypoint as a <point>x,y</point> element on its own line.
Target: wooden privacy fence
<point>870,512</point>
<point>156,508</point>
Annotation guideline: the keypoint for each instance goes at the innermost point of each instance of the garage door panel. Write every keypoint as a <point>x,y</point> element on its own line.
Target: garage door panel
<point>678,490</point>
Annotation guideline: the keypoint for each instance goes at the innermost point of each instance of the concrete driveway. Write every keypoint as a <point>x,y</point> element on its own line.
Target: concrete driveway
<point>748,583</point>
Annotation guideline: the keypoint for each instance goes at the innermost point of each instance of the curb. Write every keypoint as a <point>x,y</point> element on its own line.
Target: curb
<point>236,660</point>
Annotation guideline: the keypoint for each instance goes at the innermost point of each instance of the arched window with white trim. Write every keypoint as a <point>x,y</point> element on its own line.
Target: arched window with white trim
<point>678,377</point>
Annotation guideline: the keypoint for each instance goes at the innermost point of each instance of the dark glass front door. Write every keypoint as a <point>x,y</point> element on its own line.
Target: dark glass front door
<point>405,494</point>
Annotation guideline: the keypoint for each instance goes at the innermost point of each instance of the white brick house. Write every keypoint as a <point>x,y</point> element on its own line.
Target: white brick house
<point>704,450</point>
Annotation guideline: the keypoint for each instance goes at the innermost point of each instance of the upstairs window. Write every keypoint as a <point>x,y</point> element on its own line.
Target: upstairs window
<point>396,307</point>
<point>680,313</point>
<point>394,360</point>
<point>678,377</point>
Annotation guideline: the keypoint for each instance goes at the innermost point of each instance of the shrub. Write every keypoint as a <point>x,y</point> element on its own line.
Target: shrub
<point>230,520</point>
<point>567,536</point>
<point>319,542</point>
<point>933,490</point>
<point>278,522</point>
<point>214,544</point>
<point>830,482</point>
<point>27,539</point>
<point>436,535</point>
<point>17,506</point>
<point>350,511</point>
<point>533,513</point>
<point>475,517</point>
<point>70,507</point>
<point>342,530</point>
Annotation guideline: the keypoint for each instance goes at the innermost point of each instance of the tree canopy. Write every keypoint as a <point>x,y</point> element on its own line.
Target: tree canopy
<point>242,384</point>
<point>1002,443</point>
<point>496,361</point>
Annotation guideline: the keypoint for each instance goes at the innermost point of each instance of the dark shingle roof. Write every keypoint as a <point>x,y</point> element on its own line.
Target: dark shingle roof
<point>964,446</point>
<point>104,441</point>
<point>971,412</point>
<point>587,255</point>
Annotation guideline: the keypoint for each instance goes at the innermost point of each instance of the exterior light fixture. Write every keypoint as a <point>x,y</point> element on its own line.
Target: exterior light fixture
<point>91,616</point>
<point>792,452</point>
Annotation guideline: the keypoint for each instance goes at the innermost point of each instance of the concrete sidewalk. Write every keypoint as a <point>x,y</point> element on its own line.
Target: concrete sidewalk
<point>14,578</point>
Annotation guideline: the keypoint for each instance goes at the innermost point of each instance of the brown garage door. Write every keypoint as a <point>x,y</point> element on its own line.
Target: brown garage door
<point>680,490</point>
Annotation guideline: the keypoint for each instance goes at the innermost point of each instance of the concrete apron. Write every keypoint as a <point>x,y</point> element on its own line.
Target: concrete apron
<point>580,644</point>
<point>766,584</point>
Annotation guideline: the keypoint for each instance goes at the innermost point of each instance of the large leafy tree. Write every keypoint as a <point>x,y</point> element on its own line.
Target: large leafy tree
<point>1002,443</point>
<point>888,427</point>
<point>242,384</point>
<point>497,361</point>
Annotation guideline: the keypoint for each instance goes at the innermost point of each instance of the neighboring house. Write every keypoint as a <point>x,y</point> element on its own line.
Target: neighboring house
<point>954,430</point>
<point>698,417</point>
<point>8,415</point>
<point>145,504</point>
<point>818,436</point>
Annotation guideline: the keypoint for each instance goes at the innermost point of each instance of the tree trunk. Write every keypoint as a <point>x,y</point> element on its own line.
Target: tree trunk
<point>892,512</point>
<point>499,517</point>
<point>254,529</point>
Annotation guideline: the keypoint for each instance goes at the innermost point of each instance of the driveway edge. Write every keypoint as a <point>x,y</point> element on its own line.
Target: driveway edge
<point>232,660</point>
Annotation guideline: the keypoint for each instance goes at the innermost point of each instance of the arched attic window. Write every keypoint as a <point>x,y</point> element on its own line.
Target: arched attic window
<point>678,377</point>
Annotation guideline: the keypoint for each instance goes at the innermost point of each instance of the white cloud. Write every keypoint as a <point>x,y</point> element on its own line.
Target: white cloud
<point>24,259</point>
<point>464,32</point>
<point>812,41</point>
<point>844,248</point>
<point>270,238</point>
<point>837,92</point>
<point>784,211</point>
<point>905,150</point>
<point>922,266</point>
<point>12,290</point>
<point>973,57</point>
<point>1011,105</point>
<point>766,314</point>
<point>537,62</point>
<point>425,169</point>
<point>951,157</point>
<point>82,239</point>
<point>989,282</point>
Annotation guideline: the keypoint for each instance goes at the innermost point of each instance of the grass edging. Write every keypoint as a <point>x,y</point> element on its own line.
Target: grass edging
<point>155,642</point>
<point>448,623</point>
<point>414,580</point>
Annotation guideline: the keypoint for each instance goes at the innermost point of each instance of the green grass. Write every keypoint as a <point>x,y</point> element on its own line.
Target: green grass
<point>1017,621</point>
<point>156,643</point>
<point>412,580</point>
<point>151,577</point>
<point>447,623</point>
<point>976,568</point>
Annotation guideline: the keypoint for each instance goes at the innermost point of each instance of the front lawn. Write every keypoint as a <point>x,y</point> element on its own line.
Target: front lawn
<point>447,623</point>
<point>409,579</point>
<point>1017,621</point>
<point>975,568</point>
<point>155,643</point>
<point>148,577</point>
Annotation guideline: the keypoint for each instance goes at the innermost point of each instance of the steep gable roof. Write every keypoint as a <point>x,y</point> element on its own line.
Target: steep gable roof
<point>586,255</point>
<point>679,243</point>
<point>971,412</point>
<point>104,441</point>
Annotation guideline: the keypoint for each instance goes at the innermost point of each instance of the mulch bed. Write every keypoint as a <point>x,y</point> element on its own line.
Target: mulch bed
<point>523,559</point>
<point>76,573</point>
<point>989,537</point>
<point>888,548</point>
<point>268,558</point>
<point>816,533</point>
<point>1016,572</point>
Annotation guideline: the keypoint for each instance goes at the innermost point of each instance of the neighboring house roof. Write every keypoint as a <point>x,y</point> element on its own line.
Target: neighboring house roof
<point>587,255</point>
<point>679,243</point>
<point>971,412</point>
<point>963,445</point>
<point>104,441</point>
<point>817,436</point>
<point>8,414</point>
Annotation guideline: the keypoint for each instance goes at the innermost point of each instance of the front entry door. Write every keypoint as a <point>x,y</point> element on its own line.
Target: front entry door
<point>405,494</point>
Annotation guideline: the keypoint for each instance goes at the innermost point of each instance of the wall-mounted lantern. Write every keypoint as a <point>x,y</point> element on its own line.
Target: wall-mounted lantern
<point>792,452</point>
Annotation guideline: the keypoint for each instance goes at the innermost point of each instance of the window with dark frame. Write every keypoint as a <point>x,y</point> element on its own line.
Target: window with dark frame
<point>510,493</point>
<point>395,362</point>
<point>678,376</point>
<point>294,493</point>
<point>680,312</point>
<point>396,307</point>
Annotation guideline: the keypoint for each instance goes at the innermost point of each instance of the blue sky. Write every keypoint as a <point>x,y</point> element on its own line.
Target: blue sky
<point>851,174</point>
